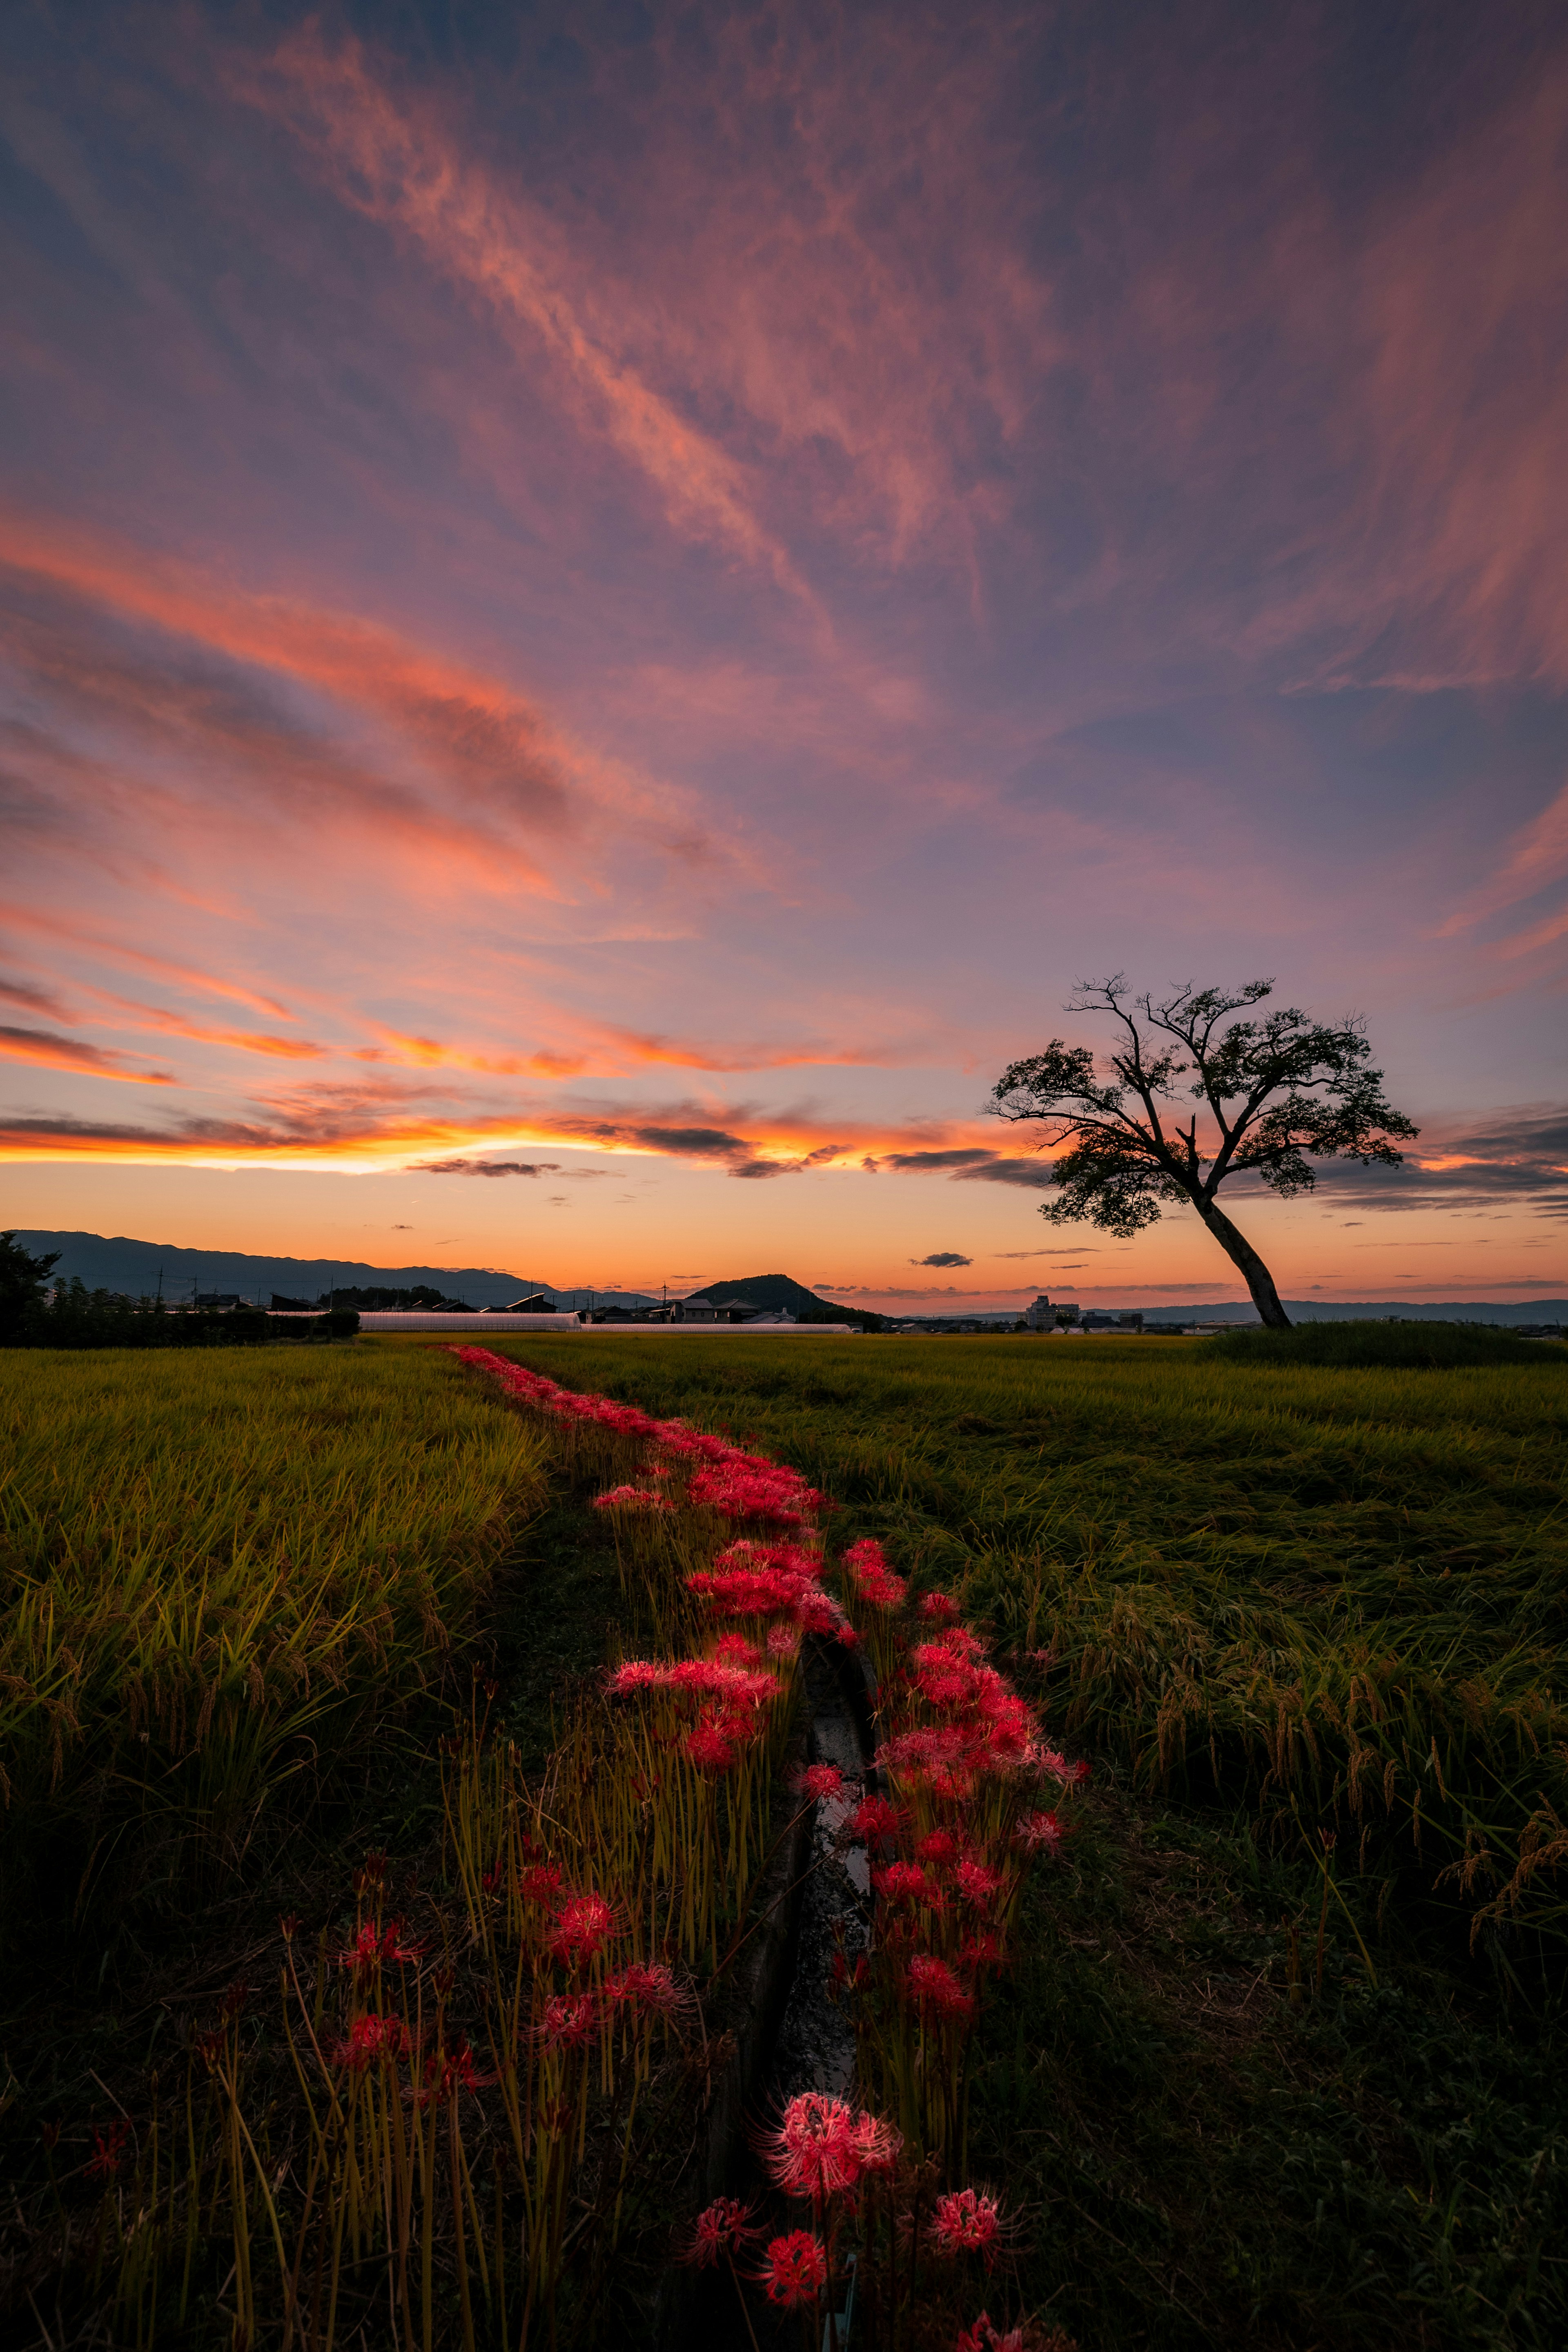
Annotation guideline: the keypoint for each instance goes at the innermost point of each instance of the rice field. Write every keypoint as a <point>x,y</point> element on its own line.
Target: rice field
<point>1275,2054</point>
<point>218,1573</point>
<point>1338,1595</point>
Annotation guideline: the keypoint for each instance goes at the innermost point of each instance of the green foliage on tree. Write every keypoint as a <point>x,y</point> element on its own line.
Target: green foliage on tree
<point>37,1313</point>
<point>1280,1090</point>
<point>22,1280</point>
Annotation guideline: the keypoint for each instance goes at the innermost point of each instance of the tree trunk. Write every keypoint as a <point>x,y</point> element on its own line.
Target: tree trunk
<point>1258,1279</point>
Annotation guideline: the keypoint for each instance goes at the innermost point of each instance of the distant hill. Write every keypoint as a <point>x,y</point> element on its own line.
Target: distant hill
<point>1364,1310</point>
<point>118,1263</point>
<point>774,1291</point>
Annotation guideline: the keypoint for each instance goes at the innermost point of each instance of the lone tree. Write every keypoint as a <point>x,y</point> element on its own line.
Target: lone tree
<point>1276,1090</point>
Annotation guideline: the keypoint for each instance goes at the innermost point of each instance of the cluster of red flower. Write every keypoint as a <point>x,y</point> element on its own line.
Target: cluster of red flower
<point>949,1844</point>
<point>773,1582</point>
<point>721,1477</point>
<point>830,2155</point>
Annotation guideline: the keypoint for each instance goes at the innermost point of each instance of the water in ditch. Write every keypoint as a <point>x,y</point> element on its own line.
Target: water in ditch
<point>815,2048</point>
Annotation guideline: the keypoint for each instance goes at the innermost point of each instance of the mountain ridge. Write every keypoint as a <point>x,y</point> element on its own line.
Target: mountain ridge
<point>120,1262</point>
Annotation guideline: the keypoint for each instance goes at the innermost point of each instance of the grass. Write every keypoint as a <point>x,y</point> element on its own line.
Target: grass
<point>1214,2140</point>
<point>1247,2088</point>
<point>1339,1592</point>
<point>1208,2160</point>
<point>218,1573</point>
<point>1400,1346</point>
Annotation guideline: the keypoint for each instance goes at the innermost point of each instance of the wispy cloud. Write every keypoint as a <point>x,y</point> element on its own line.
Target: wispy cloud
<point>55,1053</point>
<point>390,157</point>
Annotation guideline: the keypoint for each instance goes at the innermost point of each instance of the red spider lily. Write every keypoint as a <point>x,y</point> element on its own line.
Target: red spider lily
<point>747,1592</point>
<point>631,1498</point>
<point>371,2037</point>
<point>946,1686</point>
<point>446,2074</point>
<point>941,1845</point>
<point>818,1612</point>
<point>903,1882</point>
<point>373,1945</point>
<point>984,2337</point>
<point>716,1678</point>
<point>637,1675</point>
<point>707,1748</point>
<point>650,1991</point>
<point>747,1487</point>
<point>795,2271</point>
<point>735,1650</point>
<point>540,1882</point>
<point>814,2153</point>
<point>584,1927</point>
<point>981,1951</point>
<point>938,1609</point>
<point>877,2143</point>
<point>977,1885</point>
<point>865,1564</point>
<point>724,2228</point>
<point>569,2021</point>
<point>875,1817</point>
<point>1038,1832</point>
<point>1046,1759</point>
<point>108,2149</point>
<point>819,1780</point>
<point>289,1926</point>
<point>783,1641</point>
<point>967,2223</point>
<point>489,1880</point>
<point>935,1987</point>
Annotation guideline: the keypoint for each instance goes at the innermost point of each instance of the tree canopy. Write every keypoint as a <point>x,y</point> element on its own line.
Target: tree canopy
<point>1279,1090</point>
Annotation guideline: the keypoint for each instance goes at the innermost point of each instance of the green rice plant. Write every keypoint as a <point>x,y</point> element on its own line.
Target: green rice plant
<point>1406,1347</point>
<point>215,1572</point>
<point>1339,1585</point>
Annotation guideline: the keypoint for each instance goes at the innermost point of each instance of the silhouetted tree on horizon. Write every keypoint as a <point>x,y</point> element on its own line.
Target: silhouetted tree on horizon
<point>1277,1089</point>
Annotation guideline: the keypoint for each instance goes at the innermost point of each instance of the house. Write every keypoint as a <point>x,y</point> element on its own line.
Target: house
<point>1100,1318</point>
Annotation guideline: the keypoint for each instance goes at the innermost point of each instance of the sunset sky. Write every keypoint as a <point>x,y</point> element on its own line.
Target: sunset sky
<point>603,607</point>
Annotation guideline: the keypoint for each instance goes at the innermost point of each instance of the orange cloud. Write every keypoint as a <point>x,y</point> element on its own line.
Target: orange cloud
<point>67,1054</point>
<point>383,1125</point>
<point>60,926</point>
<point>425,1053</point>
<point>247,1041</point>
<point>621,1047</point>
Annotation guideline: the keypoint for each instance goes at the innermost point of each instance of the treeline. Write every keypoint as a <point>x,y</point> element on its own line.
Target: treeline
<point>36,1312</point>
<point>422,1298</point>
